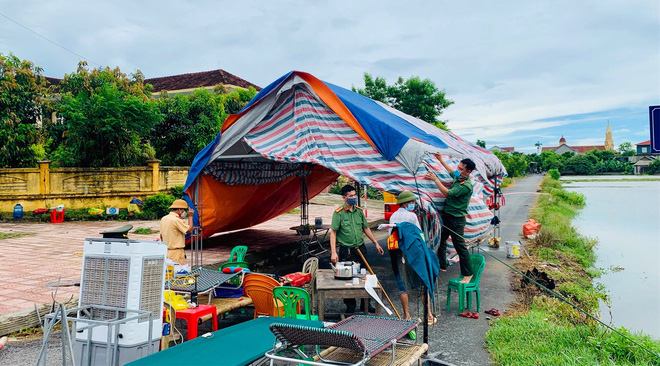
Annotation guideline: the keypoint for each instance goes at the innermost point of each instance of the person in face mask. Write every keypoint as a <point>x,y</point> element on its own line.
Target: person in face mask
<point>405,213</point>
<point>173,229</point>
<point>453,217</point>
<point>348,225</point>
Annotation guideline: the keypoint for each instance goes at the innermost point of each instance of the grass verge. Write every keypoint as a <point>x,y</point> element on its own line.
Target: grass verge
<point>13,235</point>
<point>544,330</point>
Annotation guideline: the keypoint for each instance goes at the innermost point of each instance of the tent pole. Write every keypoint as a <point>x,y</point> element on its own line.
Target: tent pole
<point>304,217</point>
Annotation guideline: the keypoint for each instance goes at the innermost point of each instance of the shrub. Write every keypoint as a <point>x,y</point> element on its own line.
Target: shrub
<point>554,173</point>
<point>157,206</point>
<point>177,192</point>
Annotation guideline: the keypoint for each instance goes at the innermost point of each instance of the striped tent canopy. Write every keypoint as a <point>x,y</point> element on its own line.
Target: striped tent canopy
<point>300,127</point>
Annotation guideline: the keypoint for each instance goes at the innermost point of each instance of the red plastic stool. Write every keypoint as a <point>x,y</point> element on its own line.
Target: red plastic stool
<point>57,216</point>
<point>191,316</point>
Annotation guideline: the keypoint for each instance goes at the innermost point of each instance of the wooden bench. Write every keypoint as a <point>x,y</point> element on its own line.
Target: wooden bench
<point>224,304</point>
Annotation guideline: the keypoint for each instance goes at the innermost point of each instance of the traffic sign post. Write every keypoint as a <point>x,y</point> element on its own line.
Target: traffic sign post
<point>654,120</point>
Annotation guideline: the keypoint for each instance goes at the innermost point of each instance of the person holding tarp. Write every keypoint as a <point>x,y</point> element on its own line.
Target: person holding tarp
<point>348,224</point>
<point>405,213</point>
<point>455,210</point>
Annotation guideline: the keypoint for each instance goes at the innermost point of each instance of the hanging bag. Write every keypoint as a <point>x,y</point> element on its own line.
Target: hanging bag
<point>393,240</point>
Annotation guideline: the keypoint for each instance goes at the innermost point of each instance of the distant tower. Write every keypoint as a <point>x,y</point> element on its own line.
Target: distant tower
<point>562,140</point>
<point>609,143</point>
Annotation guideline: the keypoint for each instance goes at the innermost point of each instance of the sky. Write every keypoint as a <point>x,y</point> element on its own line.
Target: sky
<point>519,72</point>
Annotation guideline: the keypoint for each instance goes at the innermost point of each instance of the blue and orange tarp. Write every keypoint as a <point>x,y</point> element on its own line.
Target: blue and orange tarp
<point>300,126</point>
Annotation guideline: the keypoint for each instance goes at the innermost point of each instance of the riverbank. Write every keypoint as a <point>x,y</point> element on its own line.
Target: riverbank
<point>561,328</point>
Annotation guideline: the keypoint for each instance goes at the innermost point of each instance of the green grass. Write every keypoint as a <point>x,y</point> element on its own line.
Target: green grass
<point>506,182</point>
<point>540,337</point>
<point>145,231</point>
<point>548,331</point>
<point>13,235</point>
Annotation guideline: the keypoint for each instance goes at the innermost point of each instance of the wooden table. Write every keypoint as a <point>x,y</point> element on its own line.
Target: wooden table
<point>327,287</point>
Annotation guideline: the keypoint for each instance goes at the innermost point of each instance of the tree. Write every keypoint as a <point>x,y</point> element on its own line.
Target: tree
<point>552,160</point>
<point>626,149</point>
<point>107,118</point>
<point>192,121</point>
<point>416,97</point>
<point>579,164</point>
<point>481,143</point>
<point>515,163</point>
<point>654,166</point>
<point>22,96</point>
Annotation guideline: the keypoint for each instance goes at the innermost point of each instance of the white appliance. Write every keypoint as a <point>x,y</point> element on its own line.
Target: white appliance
<point>128,274</point>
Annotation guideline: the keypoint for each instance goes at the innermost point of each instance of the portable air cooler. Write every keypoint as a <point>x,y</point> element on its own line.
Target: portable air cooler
<point>128,274</point>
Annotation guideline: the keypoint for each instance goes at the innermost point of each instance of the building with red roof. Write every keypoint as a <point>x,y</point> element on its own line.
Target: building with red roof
<point>564,147</point>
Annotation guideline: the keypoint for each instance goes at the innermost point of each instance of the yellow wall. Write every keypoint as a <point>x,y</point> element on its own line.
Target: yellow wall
<point>80,188</point>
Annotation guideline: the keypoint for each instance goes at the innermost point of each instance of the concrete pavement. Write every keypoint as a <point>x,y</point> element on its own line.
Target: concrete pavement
<point>51,251</point>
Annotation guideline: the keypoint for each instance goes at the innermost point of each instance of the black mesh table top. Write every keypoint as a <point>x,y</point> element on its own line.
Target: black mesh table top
<point>375,332</point>
<point>206,280</point>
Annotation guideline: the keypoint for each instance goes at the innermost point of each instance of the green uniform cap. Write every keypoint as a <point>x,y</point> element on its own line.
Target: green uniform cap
<point>405,196</point>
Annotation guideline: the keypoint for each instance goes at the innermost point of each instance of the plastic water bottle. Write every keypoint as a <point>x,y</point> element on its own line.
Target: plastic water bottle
<point>18,211</point>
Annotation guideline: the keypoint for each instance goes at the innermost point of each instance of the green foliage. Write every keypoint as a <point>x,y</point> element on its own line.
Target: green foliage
<point>192,121</point>
<point>177,192</point>
<point>654,166</point>
<point>157,206</point>
<point>550,160</point>
<point>414,96</point>
<point>235,101</point>
<point>481,143</point>
<point>515,163</point>
<point>592,162</point>
<point>554,173</point>
<point>552,332</point>
<point>579,164</point>
<point>107,117</point>
<point>506,182</point>
<point>372,193</point>
<point>145,231</point>
<point>626,149</point>
<point>22,96</point>
<point>539,337</point>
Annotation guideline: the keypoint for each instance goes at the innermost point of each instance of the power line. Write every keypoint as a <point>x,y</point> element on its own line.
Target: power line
<point>53,42</point>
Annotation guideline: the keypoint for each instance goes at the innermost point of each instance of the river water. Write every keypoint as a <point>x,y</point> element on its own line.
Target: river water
<point>625,218</point>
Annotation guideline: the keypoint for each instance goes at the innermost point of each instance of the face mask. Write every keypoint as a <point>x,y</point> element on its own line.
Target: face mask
<point>457,174</point>
<point>184,215</point>
<point>351,201</point>
<point>410,207</point>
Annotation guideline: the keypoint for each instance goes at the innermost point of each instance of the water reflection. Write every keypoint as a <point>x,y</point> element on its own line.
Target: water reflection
<point>625,217</point>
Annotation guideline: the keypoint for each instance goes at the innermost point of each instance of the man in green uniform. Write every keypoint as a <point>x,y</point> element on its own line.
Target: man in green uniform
<point>453,217</point>
<point>348,224</point>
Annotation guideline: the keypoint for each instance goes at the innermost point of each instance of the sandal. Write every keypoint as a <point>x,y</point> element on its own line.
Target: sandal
<point>474,315</point>
<point>466,314</point>
<point>432,321</point>
<point>493,312</point>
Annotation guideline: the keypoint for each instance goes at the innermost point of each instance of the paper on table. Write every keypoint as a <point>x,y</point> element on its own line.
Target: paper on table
<point>369,284</point>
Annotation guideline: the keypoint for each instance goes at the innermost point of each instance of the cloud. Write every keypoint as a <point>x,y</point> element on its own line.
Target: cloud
<point>514,68</point>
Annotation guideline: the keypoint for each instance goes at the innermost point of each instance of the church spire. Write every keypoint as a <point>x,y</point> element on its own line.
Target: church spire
<point>609,143</point>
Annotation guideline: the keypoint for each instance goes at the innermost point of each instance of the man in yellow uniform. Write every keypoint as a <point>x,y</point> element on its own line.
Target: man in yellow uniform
<point>173,229</point>
<point>348,224</point>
